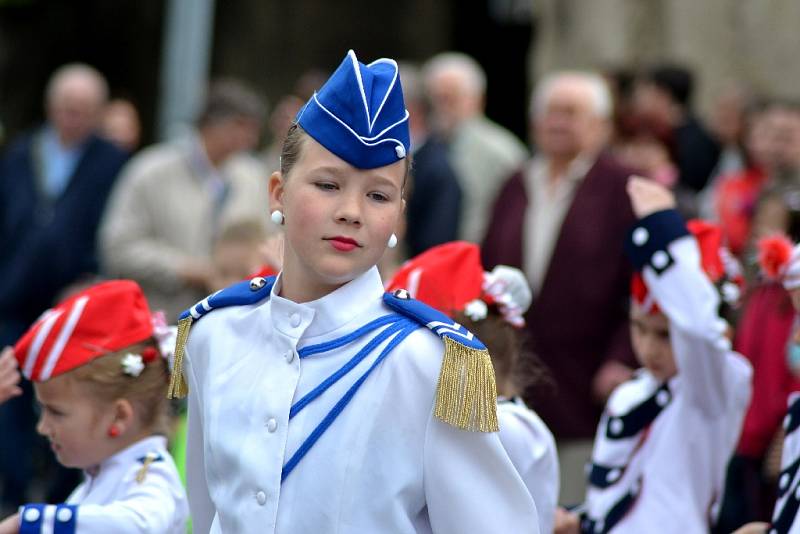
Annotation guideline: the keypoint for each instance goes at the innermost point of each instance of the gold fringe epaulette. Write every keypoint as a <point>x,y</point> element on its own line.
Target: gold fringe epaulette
<point>177,383</point>
<point>466,395</point>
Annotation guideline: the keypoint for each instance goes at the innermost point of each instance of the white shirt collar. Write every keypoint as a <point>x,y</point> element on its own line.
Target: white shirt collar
<point>332,311</point>
<point>132,453</point>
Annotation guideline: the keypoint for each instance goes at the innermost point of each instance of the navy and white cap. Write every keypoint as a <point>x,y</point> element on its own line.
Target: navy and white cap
<point>359,114</point>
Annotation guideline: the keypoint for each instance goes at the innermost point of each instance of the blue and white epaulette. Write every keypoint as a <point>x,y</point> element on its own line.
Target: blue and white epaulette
<point>466,395</point>
<point>239,294</point>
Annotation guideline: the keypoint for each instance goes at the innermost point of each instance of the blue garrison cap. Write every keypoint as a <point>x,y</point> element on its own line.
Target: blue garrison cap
<point>359,114</point>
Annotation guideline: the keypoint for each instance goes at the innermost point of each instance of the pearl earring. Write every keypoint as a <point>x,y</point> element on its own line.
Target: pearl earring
<point>392,241</point>
<point>277,217</point>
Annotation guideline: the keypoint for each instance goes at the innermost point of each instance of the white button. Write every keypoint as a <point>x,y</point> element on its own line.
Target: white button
<point>261,498</point>
<point>784,481</point>
<point>272,424</point>
<point>400,150</point>
<point>31,515</point>
<point>294,320</point>
<point>723,343</point>
<point>289,355</point>
<point>64,515</point>
<point>662,398</point>
<point>613,475</point>
<point>640,236</point>
<point>616,426</point>
<point>660,259</point>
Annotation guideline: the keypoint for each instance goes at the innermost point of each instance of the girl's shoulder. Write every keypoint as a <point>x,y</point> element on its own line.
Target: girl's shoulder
<point>466,393</point>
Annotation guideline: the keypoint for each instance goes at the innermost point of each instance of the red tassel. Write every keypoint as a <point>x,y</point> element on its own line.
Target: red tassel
<point>774,253</point>
<point>149,354</point>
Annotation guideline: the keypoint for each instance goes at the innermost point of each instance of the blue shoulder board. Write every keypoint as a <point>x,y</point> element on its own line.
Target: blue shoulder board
<point>439,323</point>
<point>466,394</point>
<point>239,294</point>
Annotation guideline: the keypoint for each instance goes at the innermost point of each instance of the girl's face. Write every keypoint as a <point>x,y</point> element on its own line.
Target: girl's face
<point>651,343</point>
<point>338,219</point>
<point>74,423</point>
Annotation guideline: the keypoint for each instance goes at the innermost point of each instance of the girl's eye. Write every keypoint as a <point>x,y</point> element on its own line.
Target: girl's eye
<point>53,411</point>
<point>378,197</point>
<point>326,186</point>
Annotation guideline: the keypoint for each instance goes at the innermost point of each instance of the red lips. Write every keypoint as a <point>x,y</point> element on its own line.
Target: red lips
<point>343,244</point>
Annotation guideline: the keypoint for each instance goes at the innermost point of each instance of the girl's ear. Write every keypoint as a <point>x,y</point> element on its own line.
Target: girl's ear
<point>276,190</point>
<point>123,415</point>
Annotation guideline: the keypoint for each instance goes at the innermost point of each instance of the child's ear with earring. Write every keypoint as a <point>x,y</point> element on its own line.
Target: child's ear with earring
<point>123,419</point>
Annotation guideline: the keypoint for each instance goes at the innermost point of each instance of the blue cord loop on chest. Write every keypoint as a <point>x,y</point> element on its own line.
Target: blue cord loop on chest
<point>397,328</point>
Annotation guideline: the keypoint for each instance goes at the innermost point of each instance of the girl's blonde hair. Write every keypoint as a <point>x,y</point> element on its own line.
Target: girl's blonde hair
<point>106,381</point>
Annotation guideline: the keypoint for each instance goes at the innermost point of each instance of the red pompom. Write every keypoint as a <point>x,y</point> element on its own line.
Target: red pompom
<point>774,253</point>
<point>149,354</point>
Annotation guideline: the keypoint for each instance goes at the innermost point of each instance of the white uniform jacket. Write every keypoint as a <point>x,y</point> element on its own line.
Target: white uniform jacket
<point>385,464</point>
<point>785,518</point>
<point>661,450</point>
<point>532,449</point>
<point>111,499</point>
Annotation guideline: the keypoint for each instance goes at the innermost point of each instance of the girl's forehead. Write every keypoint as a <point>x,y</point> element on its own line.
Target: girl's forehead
<point>58,389</point>
<point>316,158</point>
<point>54,389</point>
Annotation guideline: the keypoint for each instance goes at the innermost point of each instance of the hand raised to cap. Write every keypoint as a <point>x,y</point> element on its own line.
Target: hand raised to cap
<point>9,375</point>
<point>648,197</point>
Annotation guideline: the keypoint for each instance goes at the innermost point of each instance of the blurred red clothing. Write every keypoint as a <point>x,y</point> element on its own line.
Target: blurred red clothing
<point>762,336</point>
<point>736,204</point>
<point>265,271</point>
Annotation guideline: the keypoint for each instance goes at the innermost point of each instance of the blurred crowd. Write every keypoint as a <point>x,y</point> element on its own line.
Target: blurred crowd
<point>81,200</point>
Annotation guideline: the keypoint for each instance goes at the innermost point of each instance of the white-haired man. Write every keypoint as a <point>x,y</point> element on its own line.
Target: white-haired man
<point>482,153</point>
<point>54,183</point>
<point>562,219</point>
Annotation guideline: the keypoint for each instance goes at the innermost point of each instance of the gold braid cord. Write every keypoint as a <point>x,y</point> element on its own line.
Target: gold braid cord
<point>177,383</point>
<point>466,396</point>
<point>149,458</point>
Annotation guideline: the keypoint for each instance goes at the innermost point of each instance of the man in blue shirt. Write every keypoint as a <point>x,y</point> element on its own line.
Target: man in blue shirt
<point>54,182</point>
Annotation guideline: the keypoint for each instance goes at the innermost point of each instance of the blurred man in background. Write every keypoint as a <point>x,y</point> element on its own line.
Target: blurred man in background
<point>54,183</point>
<point>173,199</point>
<point>482,153</point>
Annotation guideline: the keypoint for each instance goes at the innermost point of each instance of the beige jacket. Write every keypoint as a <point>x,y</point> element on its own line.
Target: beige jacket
<point>162,213</point>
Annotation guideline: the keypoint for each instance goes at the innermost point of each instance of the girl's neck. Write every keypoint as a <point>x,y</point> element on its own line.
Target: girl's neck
<point>302,290</point>
<point>298,285</point>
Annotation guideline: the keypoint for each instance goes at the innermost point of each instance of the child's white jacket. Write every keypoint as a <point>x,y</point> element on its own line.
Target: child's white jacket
<point>532,449</point>
<point>661,450</point>
<point>785,519</point>
<point>385,464</point>
<point>122,496</point>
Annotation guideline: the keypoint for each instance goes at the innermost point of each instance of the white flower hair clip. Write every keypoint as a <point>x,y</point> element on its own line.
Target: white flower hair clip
<point>476,310</point>
<point>132,364</point>
<point>509,289</point>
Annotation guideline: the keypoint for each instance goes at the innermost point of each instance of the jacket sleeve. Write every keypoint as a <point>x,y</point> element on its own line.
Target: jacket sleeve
<point>200,504</point>
<point>471,486</point>
<point>128,237</point>
<point>668,256</point>
<point>153,507</point>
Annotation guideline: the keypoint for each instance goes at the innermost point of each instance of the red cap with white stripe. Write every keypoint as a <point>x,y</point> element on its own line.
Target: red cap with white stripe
<point>104,318</point>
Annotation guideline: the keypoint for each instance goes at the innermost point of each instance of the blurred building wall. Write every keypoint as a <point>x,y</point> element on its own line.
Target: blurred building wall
<point>723,40</point>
